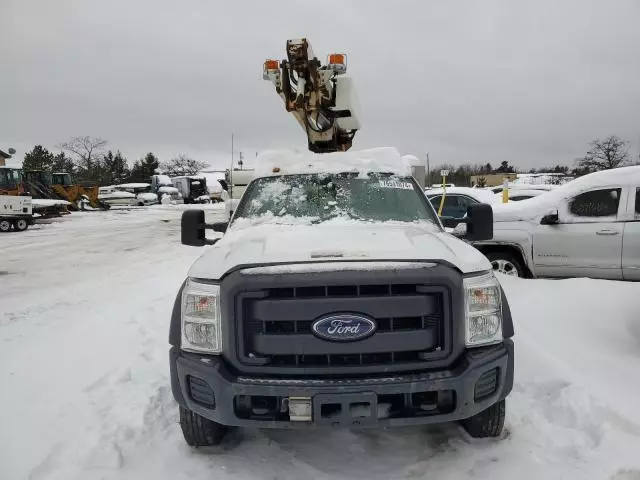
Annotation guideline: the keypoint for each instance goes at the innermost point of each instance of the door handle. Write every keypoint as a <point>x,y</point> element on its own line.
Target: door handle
<point>607,231</point>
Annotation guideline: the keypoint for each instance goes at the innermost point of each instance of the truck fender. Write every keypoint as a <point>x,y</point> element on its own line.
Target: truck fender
<point>175,327</point>
<point>520,245</point>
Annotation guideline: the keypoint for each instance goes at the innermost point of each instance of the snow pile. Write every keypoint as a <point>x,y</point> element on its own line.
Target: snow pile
<point>132,185</point>
<point>382,160</point>
<point>44,202</point>
<point>412,161</point>
<point>542,178</point>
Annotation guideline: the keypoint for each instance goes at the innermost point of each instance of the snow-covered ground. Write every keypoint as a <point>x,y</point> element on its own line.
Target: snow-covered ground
<point>84,387</point>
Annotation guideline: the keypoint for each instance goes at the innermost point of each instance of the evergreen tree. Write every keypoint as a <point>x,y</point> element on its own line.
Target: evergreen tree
<point>143,169</point>
<point>39,158</point>
<point>114,169</point>
<point>63,164</point>
<point>505,167</point>
<point>120,169</point>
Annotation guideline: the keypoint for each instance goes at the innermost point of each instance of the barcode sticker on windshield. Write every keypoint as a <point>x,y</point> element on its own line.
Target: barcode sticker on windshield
<point>396,184</point>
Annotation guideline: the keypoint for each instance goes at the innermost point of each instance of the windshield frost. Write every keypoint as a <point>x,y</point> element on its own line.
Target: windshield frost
<point>319,198</point>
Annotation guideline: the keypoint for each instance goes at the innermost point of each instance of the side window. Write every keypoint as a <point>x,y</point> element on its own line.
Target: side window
<point>451,206</point>
<point>637,201</point>
<point>465,202</point>
<point>596,203</point>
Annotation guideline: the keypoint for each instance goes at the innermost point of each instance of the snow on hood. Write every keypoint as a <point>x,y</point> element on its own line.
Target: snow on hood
<point>383,159</point>
<point>338,240</point>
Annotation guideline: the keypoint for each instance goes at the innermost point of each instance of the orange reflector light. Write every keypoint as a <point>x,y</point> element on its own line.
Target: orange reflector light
<point>271,65</point>
<point>275,169</point>
<point>337,59</point>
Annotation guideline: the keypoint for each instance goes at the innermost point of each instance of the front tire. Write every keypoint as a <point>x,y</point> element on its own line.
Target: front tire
<point>20,225</point>
<point>199,431</point>
<point>488,423</point>
<point>505,263</point>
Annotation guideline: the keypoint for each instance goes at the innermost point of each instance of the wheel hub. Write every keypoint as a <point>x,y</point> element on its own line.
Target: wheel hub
<point>505,267</point>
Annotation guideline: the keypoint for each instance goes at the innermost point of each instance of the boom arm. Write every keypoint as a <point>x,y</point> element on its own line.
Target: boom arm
<point>319,96</point>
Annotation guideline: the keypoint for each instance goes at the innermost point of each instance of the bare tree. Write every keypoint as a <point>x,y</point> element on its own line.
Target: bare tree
<point>84,151</point>
<point>182,165</point>
<point>612,152</point>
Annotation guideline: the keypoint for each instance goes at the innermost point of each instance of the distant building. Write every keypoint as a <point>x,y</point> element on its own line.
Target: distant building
<point>543,178</point>
<point>496,179</point>
<point>3,157</point>
<point>493,179</point>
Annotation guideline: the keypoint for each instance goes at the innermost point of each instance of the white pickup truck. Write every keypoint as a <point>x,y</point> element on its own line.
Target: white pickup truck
<point>589,227</point>
<point>336,299</point>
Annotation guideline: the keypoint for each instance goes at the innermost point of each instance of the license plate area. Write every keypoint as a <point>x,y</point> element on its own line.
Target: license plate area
<point>345,409</point>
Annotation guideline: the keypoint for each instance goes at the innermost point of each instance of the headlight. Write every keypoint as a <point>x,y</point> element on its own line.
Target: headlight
<point>201,322</point>
<point>483,311</point>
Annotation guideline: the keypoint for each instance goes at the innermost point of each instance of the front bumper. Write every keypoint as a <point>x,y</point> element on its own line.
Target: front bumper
<point>395,400</point>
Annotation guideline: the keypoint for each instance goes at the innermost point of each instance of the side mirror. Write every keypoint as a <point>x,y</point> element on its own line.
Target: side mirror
<point>451,222</point>
<point>479,222</point>
<point>193,229</point>
<point>224,185</point>
<point>220,227</point>
<point>550,219</point>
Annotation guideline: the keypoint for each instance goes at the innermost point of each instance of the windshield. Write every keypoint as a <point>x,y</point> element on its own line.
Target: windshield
<point>9,178</point>
<point>61,179</point>
<point>321,197</point>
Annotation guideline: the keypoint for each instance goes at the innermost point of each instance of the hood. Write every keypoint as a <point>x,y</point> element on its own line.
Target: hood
<point>525,210</point>
<point>273,244</point>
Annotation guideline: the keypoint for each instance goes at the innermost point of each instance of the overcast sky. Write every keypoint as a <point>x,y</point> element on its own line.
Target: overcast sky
<point>530,82</point>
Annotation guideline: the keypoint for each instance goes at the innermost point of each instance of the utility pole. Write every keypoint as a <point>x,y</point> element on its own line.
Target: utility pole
<point>231,170</point>
<point>428,172</point>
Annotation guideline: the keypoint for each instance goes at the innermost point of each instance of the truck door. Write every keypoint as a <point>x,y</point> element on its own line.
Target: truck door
<point>586,241</point>
<point>631,238</point>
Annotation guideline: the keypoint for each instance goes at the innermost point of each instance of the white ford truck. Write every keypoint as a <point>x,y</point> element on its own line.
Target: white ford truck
<point>589,227</point>
<point>336,299</point>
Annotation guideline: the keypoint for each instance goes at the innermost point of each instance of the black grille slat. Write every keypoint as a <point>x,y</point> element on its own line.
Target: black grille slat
<point>277,324</point>
<point>345,360</point>
<point>342,290</point>
<point>283,327</point>
<point>290,344</point>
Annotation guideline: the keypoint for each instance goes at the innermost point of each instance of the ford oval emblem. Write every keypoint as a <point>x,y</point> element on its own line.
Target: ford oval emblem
<point>343,327</point>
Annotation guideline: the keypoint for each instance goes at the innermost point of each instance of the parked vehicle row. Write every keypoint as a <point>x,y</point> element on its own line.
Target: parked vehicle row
<point>589,227</point>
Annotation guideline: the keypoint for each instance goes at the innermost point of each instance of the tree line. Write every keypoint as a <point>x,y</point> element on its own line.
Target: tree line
<point>89,160</point>
<point>611,152</point>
